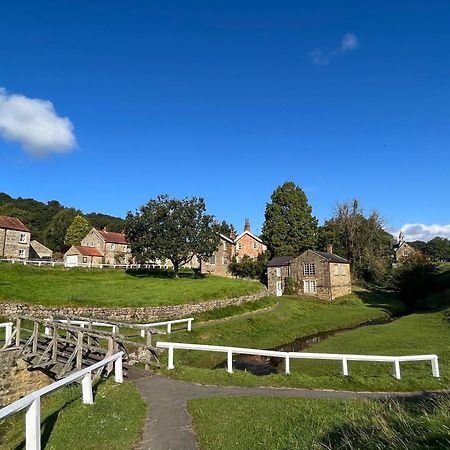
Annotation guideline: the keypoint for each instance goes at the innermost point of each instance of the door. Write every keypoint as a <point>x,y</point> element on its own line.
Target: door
<point>72,261</point>
<point>279,289</point>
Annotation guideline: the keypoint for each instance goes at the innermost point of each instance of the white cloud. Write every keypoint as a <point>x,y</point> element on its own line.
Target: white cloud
<point>35,124</point>
<point>320,57</point>
<point>422,232</point>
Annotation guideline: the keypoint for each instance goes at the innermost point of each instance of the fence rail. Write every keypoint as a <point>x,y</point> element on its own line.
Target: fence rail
<point>287,356</point>
<point>8,332</point>
<point>32,401</point>
<point>167,323</point>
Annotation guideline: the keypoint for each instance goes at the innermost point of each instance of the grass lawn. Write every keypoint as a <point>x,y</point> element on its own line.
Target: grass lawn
<point>113,422</point>
<point>112,288</point>
<point>248,423</point>
<point>426,333</point>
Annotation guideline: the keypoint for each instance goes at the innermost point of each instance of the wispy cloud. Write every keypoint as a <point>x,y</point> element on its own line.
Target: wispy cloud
<point>35,124</point>
<point>422,232</point>
<point>349,42</point>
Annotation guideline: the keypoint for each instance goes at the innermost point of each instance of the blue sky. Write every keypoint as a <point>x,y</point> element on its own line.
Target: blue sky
<point>227,100</point>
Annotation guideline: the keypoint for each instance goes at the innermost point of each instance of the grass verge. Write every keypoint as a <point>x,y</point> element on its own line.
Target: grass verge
<point>113,422</point>
<point>304,424</point>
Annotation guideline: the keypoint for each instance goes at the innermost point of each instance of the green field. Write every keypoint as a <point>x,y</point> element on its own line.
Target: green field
<point>113,422</point>
<point>112,288</point>
<point>253,423</point>
<point>424,333</point>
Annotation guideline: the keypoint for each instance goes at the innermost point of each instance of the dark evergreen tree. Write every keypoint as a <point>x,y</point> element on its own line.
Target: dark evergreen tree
<point>289,227</point>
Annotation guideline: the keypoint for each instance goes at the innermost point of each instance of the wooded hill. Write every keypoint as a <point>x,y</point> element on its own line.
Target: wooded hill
<point>49,221</point>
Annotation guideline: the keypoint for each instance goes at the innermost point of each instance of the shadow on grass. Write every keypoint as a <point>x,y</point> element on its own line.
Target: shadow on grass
<point>386,300</point>
<point>164,273</point>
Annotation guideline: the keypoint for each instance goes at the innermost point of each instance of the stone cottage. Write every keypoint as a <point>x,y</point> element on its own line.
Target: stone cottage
<point>246,244</point>
<point>113,246</point>
<point>14,238</point>
<point>323,275</point>
<point>79,256</point>
<point>39,251</point>
<point>402,249</point>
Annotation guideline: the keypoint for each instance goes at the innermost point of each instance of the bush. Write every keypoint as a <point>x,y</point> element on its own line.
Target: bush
<point>289,286</point>
<point>249,267</point>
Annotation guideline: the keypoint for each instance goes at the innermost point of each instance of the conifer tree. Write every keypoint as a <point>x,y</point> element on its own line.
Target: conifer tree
<point>77,230</point>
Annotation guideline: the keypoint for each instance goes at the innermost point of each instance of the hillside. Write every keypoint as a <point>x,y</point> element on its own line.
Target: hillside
<point>48,222</point>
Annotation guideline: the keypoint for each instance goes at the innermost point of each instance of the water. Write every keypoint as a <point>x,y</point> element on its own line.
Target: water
<point>263,365</point>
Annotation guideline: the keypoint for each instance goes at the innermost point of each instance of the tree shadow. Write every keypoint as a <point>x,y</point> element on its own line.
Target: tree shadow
<point>164,273</point>
<point>386,300</point>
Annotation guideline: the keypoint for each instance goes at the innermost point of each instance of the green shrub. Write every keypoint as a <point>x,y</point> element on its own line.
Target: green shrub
<point>289,286</point>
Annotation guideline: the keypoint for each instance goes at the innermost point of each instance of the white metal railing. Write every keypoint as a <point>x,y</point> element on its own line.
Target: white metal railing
<point>83,324</point>
<point>32,402</point>
<point>287,356</point>
<point>8,332</point>
<point>167,323</point>
<point>32,262</point>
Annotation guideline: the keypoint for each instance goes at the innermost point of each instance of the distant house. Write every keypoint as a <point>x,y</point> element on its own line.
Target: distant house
<point>80,256</point>
<point>113,246</point>
<point>246,244</point>
<point>323,275</point>
<point>14,238</point>
<point>402,249</point>
<point>39,251</point>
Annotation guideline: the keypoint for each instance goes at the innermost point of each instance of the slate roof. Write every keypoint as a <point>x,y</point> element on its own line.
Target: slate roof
<point>12,223</point>
<point>88,251</point>
<point>331,257</point>
<point>114,238</point>
<point>278,261</point>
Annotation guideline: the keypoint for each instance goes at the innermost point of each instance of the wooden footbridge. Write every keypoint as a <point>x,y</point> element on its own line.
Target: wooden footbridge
<point>60,347</point>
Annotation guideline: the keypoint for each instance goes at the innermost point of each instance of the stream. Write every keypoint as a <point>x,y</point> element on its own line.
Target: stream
<point>262,365</point>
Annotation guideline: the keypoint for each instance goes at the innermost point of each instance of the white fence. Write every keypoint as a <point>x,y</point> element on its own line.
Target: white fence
<point>32,402</point>
<point>167,323</point>
<point>8,332</point>
<point>287,356</point>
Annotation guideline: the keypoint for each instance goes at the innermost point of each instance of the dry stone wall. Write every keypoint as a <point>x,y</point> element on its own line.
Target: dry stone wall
<point>139,314</point>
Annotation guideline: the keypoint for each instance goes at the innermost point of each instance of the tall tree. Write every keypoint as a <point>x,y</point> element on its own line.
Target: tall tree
<point>171,228</point>
<point>359,238</point>
<point>224,228</point>
<point>77,230</point>
<point>56,231</point>
<point>438,249</point>
<point>289,227</point>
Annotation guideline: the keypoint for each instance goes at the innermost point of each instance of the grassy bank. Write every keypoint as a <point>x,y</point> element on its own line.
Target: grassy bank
<point>300,424</point>
<point>112,288</point>
<point>113,422</point>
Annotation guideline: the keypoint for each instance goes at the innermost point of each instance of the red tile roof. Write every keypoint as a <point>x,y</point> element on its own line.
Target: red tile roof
<point>88,251</point>
<point>12,223</point>
<point>115,238</point>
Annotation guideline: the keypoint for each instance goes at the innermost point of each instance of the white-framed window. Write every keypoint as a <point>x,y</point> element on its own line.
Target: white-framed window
<point>212,260</point>
<point>225,246</point>
<point>341,269</point>
<point>309,269</point>
<point>23,238</point>
<point>21,253</point>
<point>225,260</point>
<point>255,246</point>
<point>239,246</point>
<point>309,285</point>
<point>278,272</point>
<point>337,269</point>
<point>113,246</point>
<point>85,259</point>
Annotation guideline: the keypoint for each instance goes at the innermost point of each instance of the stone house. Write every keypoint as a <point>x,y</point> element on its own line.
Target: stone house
<point>113,246</point>
<point>14,238</point>
<point>246,244</point>
<point>402,249</point>
<point>323,275</point>
<point>39,251</point>
<point>80,256</point>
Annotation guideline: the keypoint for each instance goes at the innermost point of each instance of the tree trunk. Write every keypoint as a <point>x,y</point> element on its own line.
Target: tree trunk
<point>176,268</point>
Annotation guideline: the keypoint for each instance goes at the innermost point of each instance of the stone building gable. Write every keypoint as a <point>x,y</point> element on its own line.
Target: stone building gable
<point>114,246</point>
<point>218,263</point>
<point>14,238</point>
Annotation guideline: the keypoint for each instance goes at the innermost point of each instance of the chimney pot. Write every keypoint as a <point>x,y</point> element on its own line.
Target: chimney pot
<point>247,224</point>
<point>330,248</point>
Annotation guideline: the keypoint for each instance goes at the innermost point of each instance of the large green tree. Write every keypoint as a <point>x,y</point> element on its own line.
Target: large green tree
<point>289,227</point>
<point>172,228</point>
<point>438,249</point>
<point>56,231</point>
<point>77,230</point>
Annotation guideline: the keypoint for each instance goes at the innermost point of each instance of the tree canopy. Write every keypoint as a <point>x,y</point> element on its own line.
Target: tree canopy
<point>172,228</point>
<point>77,230</point>
<point>289,227</point>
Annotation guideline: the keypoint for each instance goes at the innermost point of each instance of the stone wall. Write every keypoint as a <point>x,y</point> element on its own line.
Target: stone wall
<point>138,314</point>
<point>16,380</point>
<point>272,278</point>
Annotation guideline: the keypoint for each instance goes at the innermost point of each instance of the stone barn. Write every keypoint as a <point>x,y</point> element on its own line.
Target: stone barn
<point>79,256</point>
<point>323,275</point>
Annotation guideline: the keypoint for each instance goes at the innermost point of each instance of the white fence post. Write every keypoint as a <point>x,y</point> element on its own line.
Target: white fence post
<point>287,369</point>
<point>8,333</point>
<point>142,332</point>
<point>118,372</point>
<point>397,369</point>
<point>170,361</point>
<point>189,327</point>
<point>230,361</point>
<point>47,331</point>
<point>344,367</point>
<point>33,425</point>
<point>169,328</point>
<point>435,367</point>
<point>86,384</point>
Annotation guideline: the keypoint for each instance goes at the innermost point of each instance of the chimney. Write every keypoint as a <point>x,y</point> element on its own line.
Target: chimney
<point>104,229</point>
<point>330,248</point>
<point>247,224</point>
<point>232,235</point>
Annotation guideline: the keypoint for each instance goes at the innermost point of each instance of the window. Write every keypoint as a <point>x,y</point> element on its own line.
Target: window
<point>225,246</point>
<point>255,246</point>
<point>113,246</point>
<point>225,260</point>
<point>309,285</point>
<point>278,272</point>
<point>239,245</point>
<point>212,260</point>
<point>85,259</point>
<point>23,238</point>
<point>341,269</point>
<point>124,248</point>
<point>21,253</point>
<point>309,269</point>
<point>336,269</point>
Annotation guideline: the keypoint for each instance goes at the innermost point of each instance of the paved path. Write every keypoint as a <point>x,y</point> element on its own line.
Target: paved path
<point>169,427</point>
